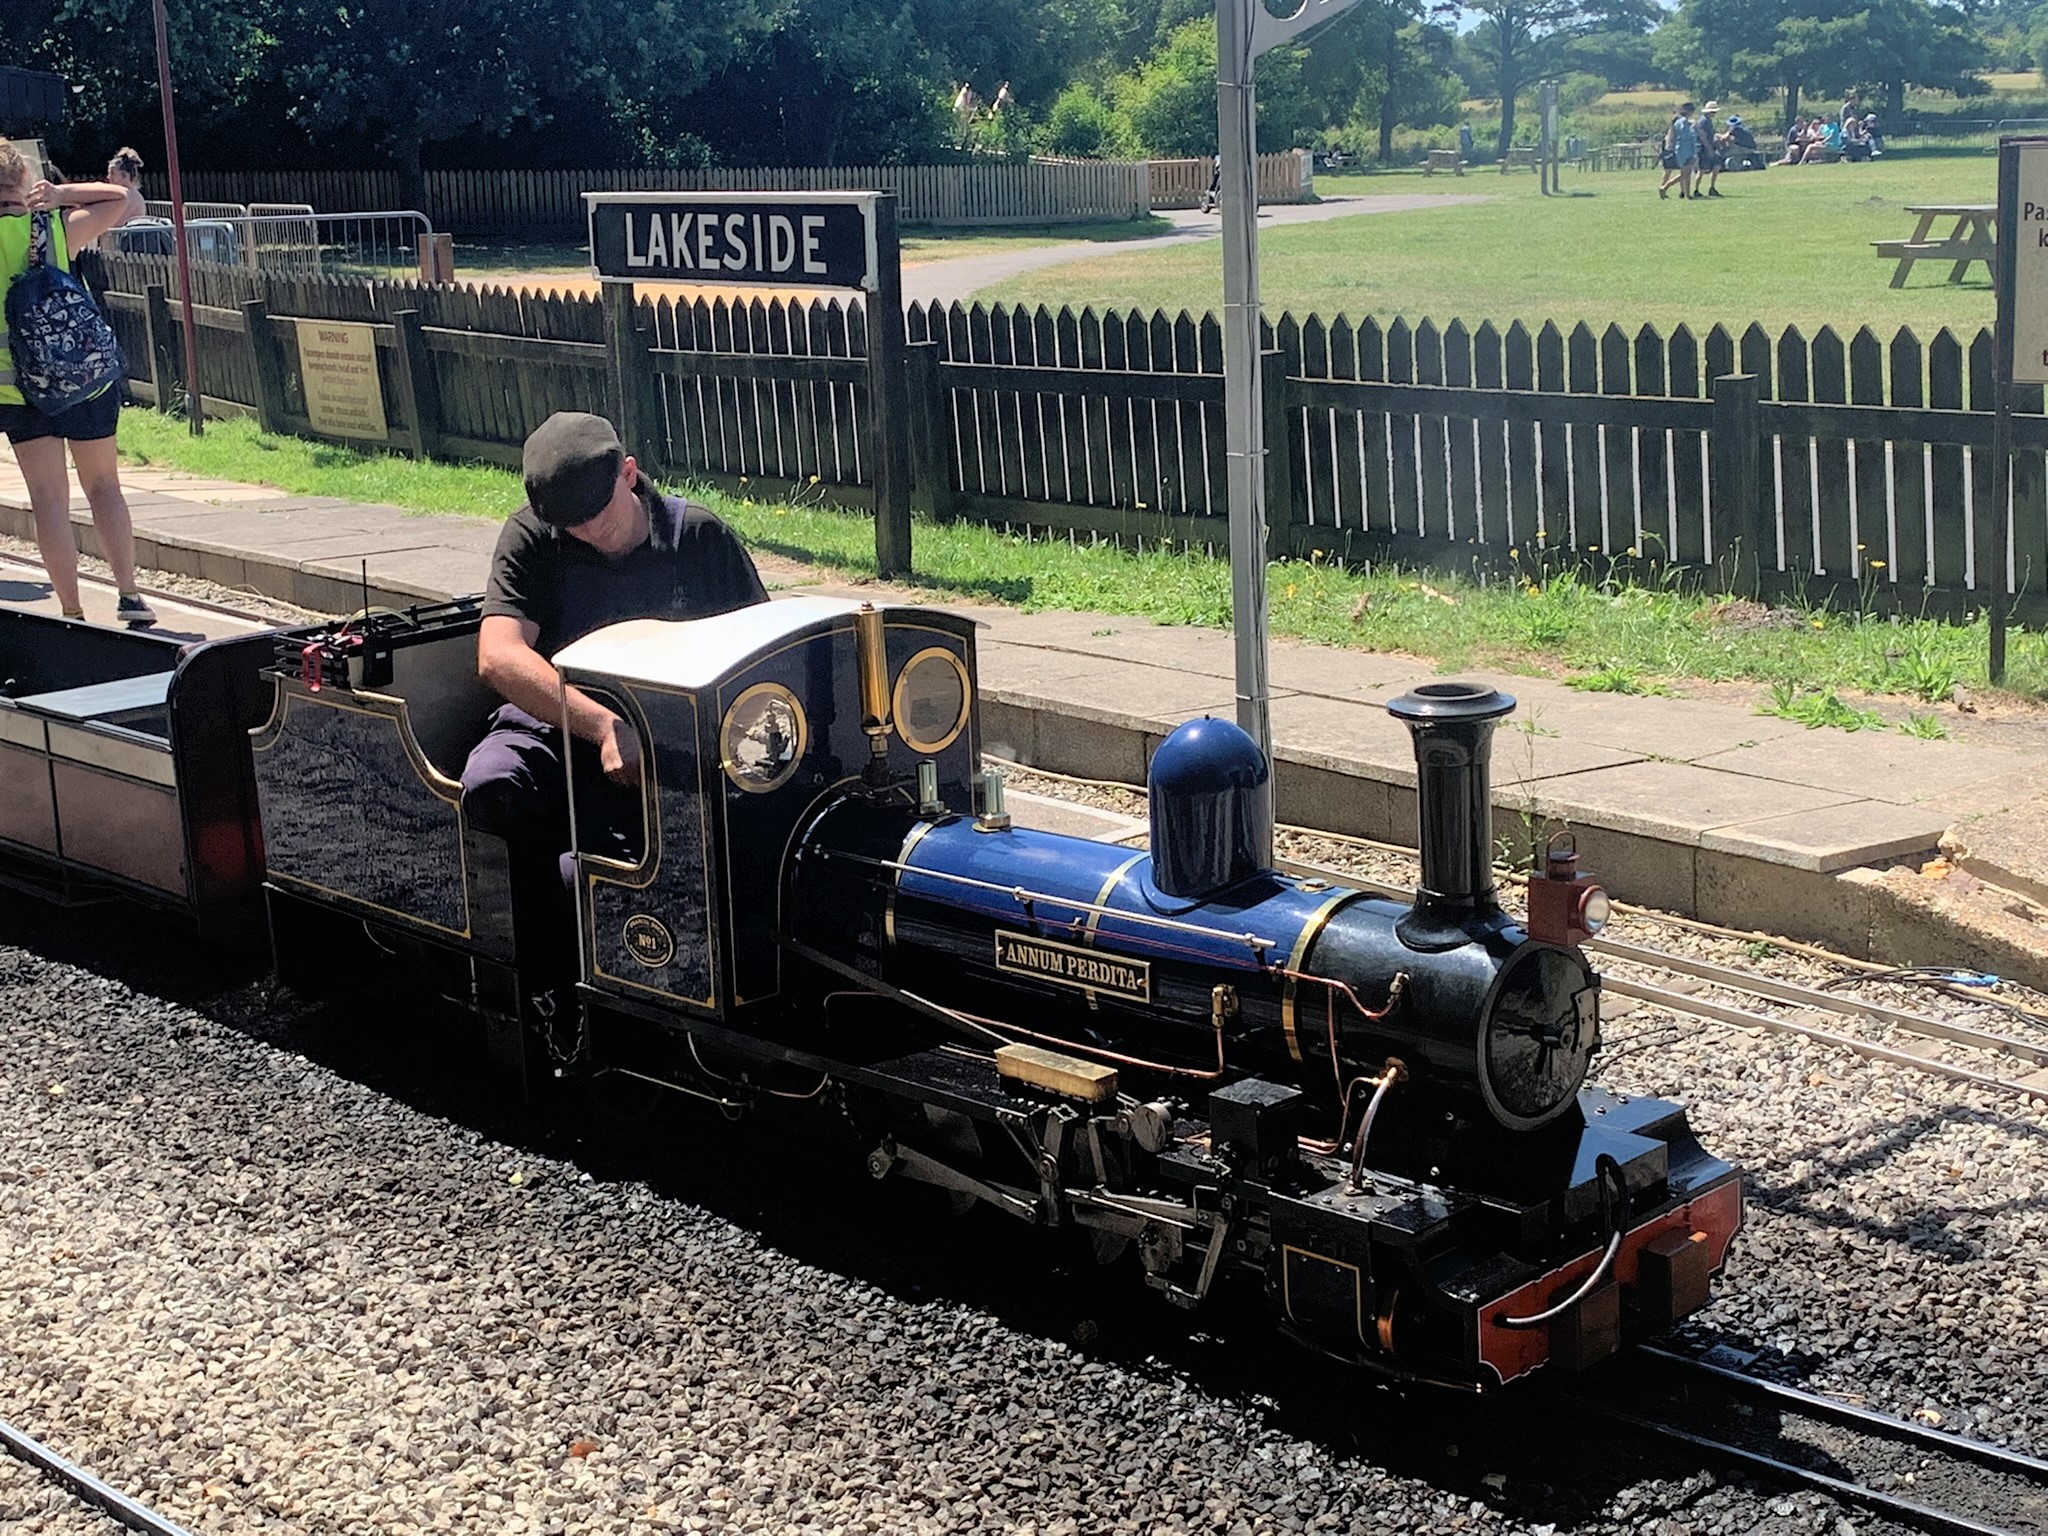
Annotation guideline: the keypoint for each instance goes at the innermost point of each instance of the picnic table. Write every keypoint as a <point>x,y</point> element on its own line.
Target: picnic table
<point>1972,239</point>
<point>1443,160</point>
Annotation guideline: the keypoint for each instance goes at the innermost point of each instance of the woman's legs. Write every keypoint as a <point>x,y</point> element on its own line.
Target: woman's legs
<point>49,497</point>
<point>99,476</point>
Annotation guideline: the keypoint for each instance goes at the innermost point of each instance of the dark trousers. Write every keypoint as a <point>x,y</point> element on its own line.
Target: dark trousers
<point>516,786</point>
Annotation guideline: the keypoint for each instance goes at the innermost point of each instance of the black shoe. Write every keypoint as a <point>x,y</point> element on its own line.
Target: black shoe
<point>131,610</point>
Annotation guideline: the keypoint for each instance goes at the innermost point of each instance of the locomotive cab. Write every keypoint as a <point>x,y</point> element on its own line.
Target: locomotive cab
<point>748,721</point>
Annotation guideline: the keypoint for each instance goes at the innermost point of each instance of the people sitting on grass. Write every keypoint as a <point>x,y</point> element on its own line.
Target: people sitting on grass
<point>1795,142</point>
<point>1855,141</point>
<point>1742,153</point>
<point>1874,133</point>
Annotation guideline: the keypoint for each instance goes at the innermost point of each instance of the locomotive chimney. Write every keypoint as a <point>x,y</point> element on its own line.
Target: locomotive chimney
<point>1452,724</point>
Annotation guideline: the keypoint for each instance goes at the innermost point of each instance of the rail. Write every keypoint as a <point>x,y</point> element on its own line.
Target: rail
<point>1987,1490</point>
<point>84,1486</point>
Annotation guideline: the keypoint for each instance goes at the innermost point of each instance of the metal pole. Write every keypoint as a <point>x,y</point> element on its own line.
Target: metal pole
<point>1243,423</point>
<point>194,404</point>
<point>1995,531</point>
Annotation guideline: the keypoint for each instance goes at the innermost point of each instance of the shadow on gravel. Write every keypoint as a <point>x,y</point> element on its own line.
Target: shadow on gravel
<point>1843,1158</point>
<point>797,1183</point>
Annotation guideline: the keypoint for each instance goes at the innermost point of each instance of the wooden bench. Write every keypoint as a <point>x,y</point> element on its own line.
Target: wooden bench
<point>1972,240</point>
<point>1521,157</point>
<point>1443,160</point>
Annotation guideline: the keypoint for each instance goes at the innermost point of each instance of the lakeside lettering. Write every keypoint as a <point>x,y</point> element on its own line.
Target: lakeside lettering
<point>737,242</point>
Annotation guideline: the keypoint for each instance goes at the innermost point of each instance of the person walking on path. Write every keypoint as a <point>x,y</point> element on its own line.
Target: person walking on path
<point>1713,149</point>
<point>1681,153</point>
<point>83,211</point>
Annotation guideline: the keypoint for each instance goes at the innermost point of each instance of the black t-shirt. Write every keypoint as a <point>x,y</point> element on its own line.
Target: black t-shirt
<point>691,567</point>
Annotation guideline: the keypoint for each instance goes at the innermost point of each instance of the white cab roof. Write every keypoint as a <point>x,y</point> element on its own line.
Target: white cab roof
<point>695,653</point>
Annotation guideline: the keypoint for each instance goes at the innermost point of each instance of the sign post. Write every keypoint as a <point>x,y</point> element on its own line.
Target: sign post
<point>2021,347</point>
<point>1244,30</point>
<point>1546,157</point>
<point>784,240</point>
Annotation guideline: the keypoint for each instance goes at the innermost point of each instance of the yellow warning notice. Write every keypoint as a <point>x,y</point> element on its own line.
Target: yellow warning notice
<point>338,368</point>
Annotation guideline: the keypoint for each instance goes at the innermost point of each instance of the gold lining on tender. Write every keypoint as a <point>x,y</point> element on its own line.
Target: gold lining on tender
<point>266,736</point>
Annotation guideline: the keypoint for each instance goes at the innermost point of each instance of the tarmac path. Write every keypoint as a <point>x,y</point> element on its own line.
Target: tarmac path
<point>957,279</point>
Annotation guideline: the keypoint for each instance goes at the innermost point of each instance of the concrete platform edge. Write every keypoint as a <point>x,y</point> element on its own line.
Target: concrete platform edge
<point>1716,880</point>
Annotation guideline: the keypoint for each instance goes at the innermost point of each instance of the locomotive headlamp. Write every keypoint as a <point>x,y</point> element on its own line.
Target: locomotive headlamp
<point>1595,907</point>
<point>1565,907</point>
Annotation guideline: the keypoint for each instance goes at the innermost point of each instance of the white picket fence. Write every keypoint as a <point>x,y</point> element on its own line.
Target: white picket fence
<point>1288,177</point>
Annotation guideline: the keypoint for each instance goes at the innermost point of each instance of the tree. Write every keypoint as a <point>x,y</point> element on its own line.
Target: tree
<point>1826,46</point>
<point>1519,41</point>
<point>1411,82</point>
<point>408,74</point>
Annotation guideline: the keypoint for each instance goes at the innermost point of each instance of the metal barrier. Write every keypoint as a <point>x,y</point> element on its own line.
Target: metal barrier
<point>197,210</point>
<point>291,240</point>
<point>384,243</point>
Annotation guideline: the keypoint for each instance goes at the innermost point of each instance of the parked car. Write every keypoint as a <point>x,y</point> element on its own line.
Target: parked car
<point>205,239</point>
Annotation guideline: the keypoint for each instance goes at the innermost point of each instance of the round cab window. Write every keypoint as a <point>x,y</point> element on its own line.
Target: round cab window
<point>763,738</point>
<point>931,700</point>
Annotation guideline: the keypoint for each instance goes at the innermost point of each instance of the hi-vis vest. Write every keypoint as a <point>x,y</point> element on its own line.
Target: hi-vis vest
<point>15,233</point>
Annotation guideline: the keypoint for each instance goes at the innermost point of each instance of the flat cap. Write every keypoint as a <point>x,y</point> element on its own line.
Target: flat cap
<point>571,462</point>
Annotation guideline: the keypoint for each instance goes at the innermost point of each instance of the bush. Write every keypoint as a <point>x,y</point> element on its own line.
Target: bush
<point>1082,125</point>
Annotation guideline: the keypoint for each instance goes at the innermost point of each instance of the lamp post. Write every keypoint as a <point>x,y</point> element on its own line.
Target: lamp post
<point>195,408</point>
<point>1244,30</point>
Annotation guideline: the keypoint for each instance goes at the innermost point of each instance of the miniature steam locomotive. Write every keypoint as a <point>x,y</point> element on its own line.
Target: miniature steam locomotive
<point>1376,1109</point>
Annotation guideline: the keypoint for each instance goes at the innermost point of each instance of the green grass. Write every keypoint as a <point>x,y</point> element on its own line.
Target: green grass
<point>1815,708</point>
<point>1786,246</point>
<point>237,450</point>
<point>1644,636</point>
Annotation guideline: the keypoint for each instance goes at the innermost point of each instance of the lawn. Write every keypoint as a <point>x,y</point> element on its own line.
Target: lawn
<point>1781,247</point>
<point>1614,637</point>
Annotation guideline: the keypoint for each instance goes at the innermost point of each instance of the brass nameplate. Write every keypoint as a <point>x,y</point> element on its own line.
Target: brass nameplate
<point>1068,965</point>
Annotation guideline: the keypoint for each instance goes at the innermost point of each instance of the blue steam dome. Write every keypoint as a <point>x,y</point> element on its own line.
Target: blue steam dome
<point>1209,809</point>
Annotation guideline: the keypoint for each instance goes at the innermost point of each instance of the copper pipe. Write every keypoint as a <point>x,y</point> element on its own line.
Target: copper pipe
<point>996,1028</point>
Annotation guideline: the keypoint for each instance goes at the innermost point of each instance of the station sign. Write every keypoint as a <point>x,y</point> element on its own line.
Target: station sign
<point>2027,261</point>
<point>753,240</point>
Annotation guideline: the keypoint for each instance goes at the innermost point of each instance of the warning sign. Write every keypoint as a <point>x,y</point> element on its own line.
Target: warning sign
<point>338,367</point>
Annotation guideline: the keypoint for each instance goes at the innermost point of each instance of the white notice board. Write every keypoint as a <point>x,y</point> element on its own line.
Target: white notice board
<point>2030,268</point>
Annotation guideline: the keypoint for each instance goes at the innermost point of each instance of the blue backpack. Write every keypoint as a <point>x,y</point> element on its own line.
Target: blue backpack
<point>64,350</point>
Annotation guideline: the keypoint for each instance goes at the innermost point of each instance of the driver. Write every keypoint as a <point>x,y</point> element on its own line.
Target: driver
<point>595,544</point>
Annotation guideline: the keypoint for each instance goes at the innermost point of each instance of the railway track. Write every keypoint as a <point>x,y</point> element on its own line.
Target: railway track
<point>1907,1472</point>
<point>86,1488</point>
<point>2004,1062</point>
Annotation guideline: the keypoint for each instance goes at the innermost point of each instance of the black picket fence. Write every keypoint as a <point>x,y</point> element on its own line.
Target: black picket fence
<point>1854,471</point>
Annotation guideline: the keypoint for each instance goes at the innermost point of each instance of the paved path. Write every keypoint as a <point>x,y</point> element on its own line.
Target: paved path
<point>957,279</point>
<point>1692,805</point>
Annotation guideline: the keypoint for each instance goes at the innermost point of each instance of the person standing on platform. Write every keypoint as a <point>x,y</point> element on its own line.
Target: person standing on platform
<point>80,212</point>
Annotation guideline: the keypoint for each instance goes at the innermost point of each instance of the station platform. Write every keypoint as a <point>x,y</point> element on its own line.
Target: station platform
<point>1877,844</point>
